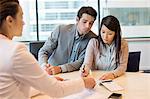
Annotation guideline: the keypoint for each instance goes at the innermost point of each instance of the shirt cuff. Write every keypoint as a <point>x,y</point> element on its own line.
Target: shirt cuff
<point>63,68</point>
<point>43,65</point>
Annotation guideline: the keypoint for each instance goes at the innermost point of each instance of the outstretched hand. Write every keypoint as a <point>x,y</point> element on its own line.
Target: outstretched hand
<point>59,78</point>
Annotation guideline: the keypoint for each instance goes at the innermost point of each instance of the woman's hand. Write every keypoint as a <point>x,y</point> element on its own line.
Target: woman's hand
<point>89,82</point>
<point>59,78</point>
<point>107,76</point>
<point>84,71</point>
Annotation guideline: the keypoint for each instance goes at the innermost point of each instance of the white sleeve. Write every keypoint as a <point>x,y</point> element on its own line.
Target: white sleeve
<point>89,54</point>
<point>27,71</point>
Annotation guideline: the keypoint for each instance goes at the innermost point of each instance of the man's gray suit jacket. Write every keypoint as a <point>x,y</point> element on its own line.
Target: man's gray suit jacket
<point>59,46</point>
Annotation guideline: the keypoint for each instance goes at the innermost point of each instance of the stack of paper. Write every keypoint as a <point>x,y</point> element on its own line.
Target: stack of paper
<point>111,85</point>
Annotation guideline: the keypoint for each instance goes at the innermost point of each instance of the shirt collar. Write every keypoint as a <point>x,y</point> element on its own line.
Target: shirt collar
<point>112,44</point>
<point>77,35</point>
<point>3,36</point>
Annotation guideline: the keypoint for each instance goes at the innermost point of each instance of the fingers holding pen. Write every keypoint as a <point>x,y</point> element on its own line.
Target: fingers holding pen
<point>84,71</point>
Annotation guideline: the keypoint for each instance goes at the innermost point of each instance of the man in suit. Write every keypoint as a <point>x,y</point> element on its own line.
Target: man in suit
<point>67,44</point>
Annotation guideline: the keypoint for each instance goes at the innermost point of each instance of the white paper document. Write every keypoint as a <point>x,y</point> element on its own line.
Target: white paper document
<point>86,94</point>
<point>111,85</point>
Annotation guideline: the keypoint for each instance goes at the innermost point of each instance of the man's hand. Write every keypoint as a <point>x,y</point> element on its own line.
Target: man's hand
<point>52,70</point>
<point>46,67</point>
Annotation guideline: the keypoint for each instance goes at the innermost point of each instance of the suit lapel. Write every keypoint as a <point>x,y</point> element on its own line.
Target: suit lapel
<point>71,38</point>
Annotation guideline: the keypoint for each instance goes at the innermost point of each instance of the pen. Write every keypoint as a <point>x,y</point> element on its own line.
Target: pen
<point>90,72</point>
<point>83,69</point>
<point>100,82</point>
<point>109,80</point>
<point>65,79</point>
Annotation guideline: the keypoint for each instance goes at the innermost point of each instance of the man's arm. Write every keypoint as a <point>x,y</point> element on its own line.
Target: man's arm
<point>48,48</point>
<point>72,66</point>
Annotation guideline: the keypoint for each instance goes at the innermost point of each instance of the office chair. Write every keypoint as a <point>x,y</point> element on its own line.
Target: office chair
<point>133,61</point>
<point>35,46</point>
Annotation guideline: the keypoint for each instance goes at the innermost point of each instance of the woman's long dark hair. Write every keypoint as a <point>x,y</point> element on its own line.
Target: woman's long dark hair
<point>112,23</point>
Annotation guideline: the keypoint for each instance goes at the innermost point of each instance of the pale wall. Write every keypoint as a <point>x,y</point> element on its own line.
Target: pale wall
<point>144,47</point>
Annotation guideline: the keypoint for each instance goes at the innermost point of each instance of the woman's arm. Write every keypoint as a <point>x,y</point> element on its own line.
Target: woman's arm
<point>89,56</point>
<point>123,59</point>
<point>27,71</point>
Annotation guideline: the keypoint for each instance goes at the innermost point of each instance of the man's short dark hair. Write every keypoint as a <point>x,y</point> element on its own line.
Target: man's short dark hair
<point>87,10</point>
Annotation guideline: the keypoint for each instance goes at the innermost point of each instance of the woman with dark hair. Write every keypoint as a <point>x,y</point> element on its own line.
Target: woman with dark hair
<point>109,52</point>
<point>19,70</point>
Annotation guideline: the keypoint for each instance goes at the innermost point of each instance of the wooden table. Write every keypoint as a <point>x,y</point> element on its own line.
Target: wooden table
<point>136,86</point>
